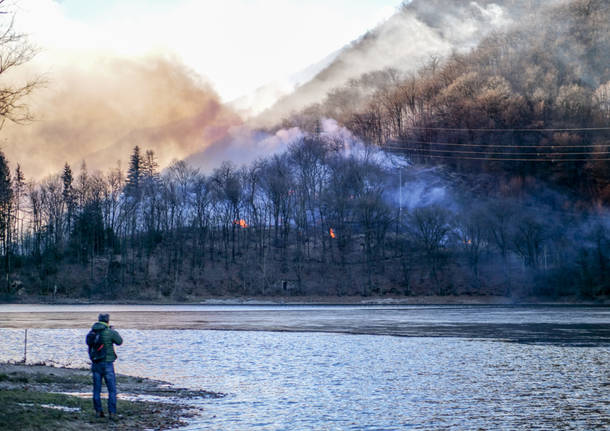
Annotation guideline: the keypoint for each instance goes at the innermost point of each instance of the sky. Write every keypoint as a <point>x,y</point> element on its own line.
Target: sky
<point>236,45</point>
<point>159,73</point>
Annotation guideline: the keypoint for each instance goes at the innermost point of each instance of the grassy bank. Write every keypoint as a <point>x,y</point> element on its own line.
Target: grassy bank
<point>37,397</point>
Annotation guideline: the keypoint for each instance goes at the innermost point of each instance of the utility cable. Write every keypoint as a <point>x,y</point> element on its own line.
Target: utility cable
<point>506,159</point>
<point>451,144</point>
<point>567,129</point>
<point>496,153</point>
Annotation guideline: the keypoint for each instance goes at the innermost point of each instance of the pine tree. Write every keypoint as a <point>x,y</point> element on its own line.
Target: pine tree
<point>134,175</point>
<point>68,194</point>
<point>149,183</point>
<point>67,179</point>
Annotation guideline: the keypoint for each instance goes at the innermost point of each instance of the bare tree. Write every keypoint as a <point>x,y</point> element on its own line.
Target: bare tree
<point>499,217</point>
<point>528,238</point>
<point>6,215</point>
<point>430,229</point>
<point>473,239</point>
<point>15,50</point>
<point>375,218</point>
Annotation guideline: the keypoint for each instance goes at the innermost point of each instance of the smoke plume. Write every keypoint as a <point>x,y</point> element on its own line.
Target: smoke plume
<point>243,145</point>
<point>98,113</point>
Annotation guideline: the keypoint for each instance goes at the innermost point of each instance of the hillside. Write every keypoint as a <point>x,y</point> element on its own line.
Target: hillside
<point>420,29</point>
<point>532,100</point>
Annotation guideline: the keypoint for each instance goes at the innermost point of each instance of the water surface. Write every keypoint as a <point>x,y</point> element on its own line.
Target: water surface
<point>535,324</point>
<point>327,381</point>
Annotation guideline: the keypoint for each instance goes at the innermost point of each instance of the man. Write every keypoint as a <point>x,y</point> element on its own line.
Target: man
<point>101,341</point>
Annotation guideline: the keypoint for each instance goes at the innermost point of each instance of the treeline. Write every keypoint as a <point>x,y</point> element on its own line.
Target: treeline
<point>315,220</point>
<point>534,101</point>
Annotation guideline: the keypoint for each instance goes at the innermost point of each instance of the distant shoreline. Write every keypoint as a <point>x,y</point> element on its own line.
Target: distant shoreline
<point>521,323</point>
<point>324,300</point>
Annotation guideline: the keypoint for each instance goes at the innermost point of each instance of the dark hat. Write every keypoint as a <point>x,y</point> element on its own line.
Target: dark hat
<point>104,317</point>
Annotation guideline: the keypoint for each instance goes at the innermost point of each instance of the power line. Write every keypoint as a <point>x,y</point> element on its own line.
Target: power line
<point>605,217</point>
<point>567,129</point>
<point>507,159</point>
<point>492,153</point>
<point>451,144</point>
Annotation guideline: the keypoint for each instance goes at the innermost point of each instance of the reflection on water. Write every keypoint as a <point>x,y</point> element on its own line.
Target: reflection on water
<point>356,382</point>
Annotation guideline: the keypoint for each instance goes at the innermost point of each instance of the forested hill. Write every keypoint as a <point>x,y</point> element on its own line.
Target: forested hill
<point>532,100</point>
<point>419,30</point>
<point>524,116</point>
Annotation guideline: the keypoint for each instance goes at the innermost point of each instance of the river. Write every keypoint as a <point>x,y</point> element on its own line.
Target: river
<point>351,368</point>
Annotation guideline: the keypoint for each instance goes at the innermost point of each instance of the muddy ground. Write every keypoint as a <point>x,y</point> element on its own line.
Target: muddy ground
<point>39,397</point>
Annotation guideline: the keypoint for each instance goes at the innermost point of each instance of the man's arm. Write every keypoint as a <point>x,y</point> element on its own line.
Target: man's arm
<point>116,338</point>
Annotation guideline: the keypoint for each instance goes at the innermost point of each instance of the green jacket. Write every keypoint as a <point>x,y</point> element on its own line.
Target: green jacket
<point>110,337</point>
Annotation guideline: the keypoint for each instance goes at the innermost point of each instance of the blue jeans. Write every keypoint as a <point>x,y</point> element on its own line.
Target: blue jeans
<point>105,370</point>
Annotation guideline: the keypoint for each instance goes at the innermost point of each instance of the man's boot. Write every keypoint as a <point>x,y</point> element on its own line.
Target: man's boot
<point>99,414</point>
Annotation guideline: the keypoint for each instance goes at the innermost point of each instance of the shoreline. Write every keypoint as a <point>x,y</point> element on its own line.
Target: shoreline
<point>500,322</point>
<point>38,394</point>
<point>325,300</point>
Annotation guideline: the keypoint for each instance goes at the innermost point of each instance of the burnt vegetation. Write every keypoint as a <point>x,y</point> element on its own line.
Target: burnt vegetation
<point>513,201</point>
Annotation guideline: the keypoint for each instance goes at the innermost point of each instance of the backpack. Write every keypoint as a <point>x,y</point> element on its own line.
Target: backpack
<point>97,349</point>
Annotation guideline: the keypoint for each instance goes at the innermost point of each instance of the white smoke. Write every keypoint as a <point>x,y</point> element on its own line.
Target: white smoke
<point>353,147</point>
<point>421,187</point>
<point>244,145</point>
<point>407,185</point>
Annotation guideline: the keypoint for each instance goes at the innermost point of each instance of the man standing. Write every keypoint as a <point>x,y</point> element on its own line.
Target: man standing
<point>101,340</point>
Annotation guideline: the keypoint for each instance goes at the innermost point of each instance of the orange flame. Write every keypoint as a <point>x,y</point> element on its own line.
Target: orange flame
<point>332,233</point>
<point>242,223</point>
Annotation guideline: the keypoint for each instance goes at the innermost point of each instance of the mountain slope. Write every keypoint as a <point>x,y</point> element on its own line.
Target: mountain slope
<point>419,30</point>
<point>264,97</point>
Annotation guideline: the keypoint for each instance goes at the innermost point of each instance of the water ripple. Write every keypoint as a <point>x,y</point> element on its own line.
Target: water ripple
<point>288,381</point>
